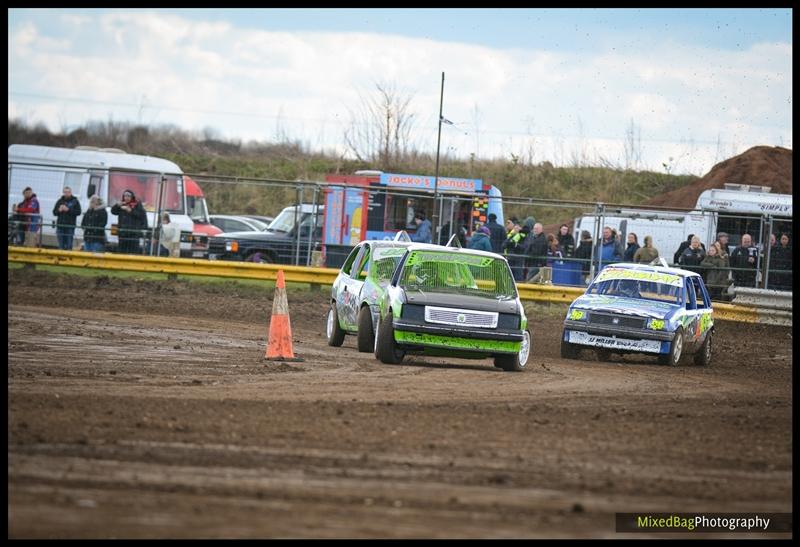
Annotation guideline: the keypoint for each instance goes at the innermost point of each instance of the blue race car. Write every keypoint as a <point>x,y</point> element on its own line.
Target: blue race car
<point>637,308</point>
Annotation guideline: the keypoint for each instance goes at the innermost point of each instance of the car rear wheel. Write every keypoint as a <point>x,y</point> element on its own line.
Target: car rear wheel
<point>366,336</point>
<point>333,330</point>
<point>516,362</point>
<point>673,358</point>
<point>703,356</point>
<point>386,349</point>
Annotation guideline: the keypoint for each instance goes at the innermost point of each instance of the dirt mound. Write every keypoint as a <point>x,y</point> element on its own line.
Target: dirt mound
<point>760,165</point>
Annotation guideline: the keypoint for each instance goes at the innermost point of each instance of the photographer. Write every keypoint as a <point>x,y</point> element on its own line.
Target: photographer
<point>743,263</point>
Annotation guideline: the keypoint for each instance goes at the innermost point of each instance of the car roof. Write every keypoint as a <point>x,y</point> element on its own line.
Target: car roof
<point>649,268</point>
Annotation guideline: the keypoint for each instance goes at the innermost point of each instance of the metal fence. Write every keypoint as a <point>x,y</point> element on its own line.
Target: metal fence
<point>563,263</point>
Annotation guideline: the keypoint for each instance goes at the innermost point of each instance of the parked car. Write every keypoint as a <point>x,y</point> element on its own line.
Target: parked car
<point>448,301</point>
<point>277,244</point>
<point>638,308</point>
<point>361,281</point>
<point>263,219</point>
<point>237,223</point>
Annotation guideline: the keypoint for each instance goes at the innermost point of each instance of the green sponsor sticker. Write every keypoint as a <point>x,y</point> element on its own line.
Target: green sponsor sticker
<point>656,277</point>
<point>417,257</point>
<point>455,342</point>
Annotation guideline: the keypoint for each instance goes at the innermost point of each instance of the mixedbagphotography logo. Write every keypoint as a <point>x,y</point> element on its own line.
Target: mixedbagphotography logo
<point>704,522</point>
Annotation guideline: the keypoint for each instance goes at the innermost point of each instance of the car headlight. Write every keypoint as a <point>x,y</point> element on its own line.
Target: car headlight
<point>232,246</point>
<point>577,315</point>
<point>655,324</point>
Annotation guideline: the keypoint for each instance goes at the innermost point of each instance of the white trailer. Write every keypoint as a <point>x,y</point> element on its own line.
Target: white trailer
<point>156,182</point>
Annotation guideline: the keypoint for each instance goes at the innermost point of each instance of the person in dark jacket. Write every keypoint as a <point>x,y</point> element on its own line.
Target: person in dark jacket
<point>497,234</point>
<point>536,249</point>
<point>780,265</point>
<point>554,250</point>
<point>743,263</point>
<point>512,249</point>
<point>66,210</point>
<point>715,271</point>
<point>584,253</point>
<point>633,246</point>
<point>692,256</point>
<point>481,240</point>
<point>132,222</point>
<point>566,240</point>
<point>94,226</point>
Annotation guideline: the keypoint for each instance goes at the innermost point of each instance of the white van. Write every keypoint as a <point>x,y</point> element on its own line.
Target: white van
<point>107,172</point>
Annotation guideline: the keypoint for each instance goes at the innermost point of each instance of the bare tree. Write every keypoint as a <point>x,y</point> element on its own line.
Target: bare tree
<point>633,146</point>
<point>380,130</point>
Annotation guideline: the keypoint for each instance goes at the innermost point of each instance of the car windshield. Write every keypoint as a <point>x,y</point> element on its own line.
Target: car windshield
<point>645,285</point>
<point>457,272</point>
<point>385,261</point>
<point>284,222</point>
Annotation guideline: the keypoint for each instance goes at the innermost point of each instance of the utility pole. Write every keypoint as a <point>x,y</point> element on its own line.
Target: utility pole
<point>435,220</point>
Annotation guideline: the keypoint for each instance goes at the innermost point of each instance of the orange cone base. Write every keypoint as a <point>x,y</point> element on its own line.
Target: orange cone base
<point>279,345</point>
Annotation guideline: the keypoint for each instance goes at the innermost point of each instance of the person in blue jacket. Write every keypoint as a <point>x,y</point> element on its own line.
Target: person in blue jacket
<point>423,233</point>
<point>481,240</point>
<point>610,248</point>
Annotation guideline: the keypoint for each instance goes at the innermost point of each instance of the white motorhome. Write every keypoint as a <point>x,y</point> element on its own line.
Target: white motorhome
<point>735,209</point>
<point>106,172</point>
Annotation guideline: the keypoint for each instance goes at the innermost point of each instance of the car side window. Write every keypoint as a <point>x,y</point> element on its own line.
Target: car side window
<point>362,271</point>
<point>688,294</point>
<point>698,293</point>
<point>348,263</point>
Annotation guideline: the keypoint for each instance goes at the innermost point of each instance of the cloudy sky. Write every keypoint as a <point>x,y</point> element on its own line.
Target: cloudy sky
<point>692,87</point>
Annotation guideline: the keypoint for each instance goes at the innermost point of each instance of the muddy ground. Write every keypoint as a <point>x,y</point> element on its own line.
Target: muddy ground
<point>145,409</point>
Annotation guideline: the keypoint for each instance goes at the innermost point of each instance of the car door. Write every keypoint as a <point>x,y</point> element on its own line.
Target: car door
<point>355,284</point>
<point>346,288</point>
<point>703,321</point>
<point>692,315</point>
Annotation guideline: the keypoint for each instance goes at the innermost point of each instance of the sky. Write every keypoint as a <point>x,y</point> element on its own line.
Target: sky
<point>670,90</point>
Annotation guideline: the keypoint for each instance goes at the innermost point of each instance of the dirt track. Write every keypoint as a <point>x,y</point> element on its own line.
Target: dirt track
<point>144,409</point>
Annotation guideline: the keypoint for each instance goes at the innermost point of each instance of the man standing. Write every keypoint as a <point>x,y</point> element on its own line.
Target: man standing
<point>566,240</point>
<point>722,239</point>
<point>28,211</point>
<point>66,211</point>
<point>536,249</point>
<point>94,226</point>
<point>423,233</point>
<point>609,248</point>
<point>743,263</point>
<point>496,233</point>
<point>692,256</point>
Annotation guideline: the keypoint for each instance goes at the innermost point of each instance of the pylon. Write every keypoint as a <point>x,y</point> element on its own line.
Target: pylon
<point>279,343</point>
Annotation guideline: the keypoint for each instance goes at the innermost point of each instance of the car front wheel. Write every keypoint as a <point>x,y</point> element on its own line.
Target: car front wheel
<point>386,349</point>
<point>673,358</point>
<point>333,330</point>
<point>568,351</point>
<point>366,336</point>
<point>516,362</point>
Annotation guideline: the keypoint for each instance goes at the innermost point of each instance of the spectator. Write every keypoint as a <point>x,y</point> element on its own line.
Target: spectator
<point>536,250</point>
<point>609,249</point>
<point>584,253</point>
<point>772,241</point>
<point>132,222</point>
<point>682,247</point>
<point>566,240</point>
<point>780,266</point>
<point>169,237</point>
<point>743,263</point>
<point>633,246</point>
<point>481,240</point>
<point>724,248</point>
<point>646,254</point>
<point>30,220</point>
<point>554,250</point>
<point>692,256</point>
<point>423,233</point>
<point>529,222</point>
<point>66,210</point>
<point>94,226</point>
<point>512,248</point>
<point>716,272</point>
<point>497,234</point>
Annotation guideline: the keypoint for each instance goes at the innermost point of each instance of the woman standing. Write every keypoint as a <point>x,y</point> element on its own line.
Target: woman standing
<point>630,250</point>
<point>94,226</point>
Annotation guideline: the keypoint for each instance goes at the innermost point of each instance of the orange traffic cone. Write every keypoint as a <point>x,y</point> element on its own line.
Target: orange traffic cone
<point>279,344</point>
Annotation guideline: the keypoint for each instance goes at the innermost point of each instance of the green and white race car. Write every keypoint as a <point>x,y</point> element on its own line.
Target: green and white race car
<point>361,282</point>
<point>452,302</point>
